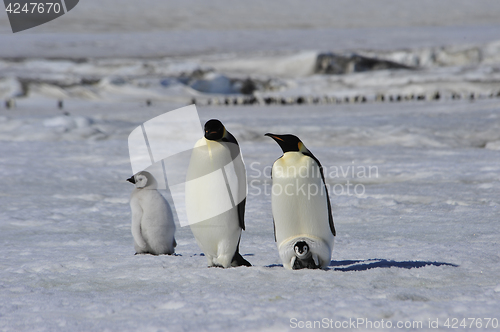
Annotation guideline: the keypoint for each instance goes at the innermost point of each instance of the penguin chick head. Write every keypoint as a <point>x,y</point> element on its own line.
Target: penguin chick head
<point>143,179</point>
<point>301,249</point>
<point>214,130</point>
<point>289,143</point>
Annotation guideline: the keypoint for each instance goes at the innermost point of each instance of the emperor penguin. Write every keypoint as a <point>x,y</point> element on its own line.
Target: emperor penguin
<point>153,226</point>
<point>216,196</point>
<point>302,214</point>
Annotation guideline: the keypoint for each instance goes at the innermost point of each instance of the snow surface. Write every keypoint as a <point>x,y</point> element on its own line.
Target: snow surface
<point>421,243</point>
<point>418,242</point>
<point>120,28</point>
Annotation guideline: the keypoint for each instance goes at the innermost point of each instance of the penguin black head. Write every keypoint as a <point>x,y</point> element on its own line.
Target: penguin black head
<point>301,249</point>
<point>131,179</point>
<point>288,143</point>
<point>214,130</point>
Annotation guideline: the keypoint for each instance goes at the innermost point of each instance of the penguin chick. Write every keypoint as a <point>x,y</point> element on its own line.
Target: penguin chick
<point>303,258</point>
<point>302,215</point>
<point>153,226</point>
<point>216,159</point>
<point>301,250</point>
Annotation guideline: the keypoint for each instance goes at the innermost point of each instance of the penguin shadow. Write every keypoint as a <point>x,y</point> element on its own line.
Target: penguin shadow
<point>368,264</point>
<point>150,254</point>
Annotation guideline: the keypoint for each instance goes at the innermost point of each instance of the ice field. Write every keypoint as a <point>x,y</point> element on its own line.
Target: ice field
<point>420,243</point>
<point>414,185</point>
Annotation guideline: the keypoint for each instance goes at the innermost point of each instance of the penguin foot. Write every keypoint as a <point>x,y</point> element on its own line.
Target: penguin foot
<point>217,266</point>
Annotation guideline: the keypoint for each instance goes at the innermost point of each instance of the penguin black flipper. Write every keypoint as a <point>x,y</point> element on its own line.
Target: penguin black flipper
<point>229,138</point>
<point>241,213</point>
<point>238,260</point>
<point>330,216</point>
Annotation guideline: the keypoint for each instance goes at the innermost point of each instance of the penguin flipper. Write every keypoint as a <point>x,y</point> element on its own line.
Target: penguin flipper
<point>316,259</point>
<point>330,216</point>
<point>175,243</point>
<point>136,224</point>
<point>238,260</point>
<point>241,213</point>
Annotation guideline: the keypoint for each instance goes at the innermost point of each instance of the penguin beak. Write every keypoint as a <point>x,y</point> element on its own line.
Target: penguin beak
<point>207,135</point>
<point>273,136</point>
<point>131,179</point>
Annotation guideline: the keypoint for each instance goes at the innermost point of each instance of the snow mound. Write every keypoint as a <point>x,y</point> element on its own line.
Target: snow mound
<point>65,128</point>
<point>452,71</point>
<point>495,145</point>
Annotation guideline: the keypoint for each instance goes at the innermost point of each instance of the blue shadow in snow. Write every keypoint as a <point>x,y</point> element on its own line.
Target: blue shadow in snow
<point>354,265</point>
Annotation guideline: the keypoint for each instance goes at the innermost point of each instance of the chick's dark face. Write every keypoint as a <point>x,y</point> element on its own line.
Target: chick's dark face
<point>301,248</point>
<point>214,130</point>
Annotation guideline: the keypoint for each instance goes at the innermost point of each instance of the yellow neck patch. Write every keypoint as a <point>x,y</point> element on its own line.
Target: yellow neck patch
<point>302,148</point>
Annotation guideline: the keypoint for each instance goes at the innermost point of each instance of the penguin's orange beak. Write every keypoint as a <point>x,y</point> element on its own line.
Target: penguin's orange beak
<point>274,136</point>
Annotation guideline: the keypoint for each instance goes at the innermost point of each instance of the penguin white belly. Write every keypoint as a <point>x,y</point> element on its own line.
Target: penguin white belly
<point>300,209</point>
<point>157,227</point>
<point>218,237</point>
<point>211,203</point>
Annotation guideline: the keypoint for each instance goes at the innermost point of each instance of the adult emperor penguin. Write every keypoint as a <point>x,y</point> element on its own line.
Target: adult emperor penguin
<point>302,213</point>
<point>153,224</point>
<point>216,196</point>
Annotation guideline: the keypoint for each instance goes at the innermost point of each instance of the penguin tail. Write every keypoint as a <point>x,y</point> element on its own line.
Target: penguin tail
<point>238,260</point>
